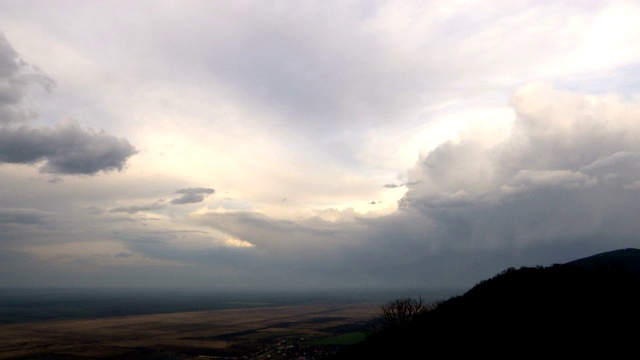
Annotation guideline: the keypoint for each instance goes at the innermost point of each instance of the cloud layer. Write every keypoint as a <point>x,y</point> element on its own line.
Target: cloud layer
<point>359,144</point>
<point>565,178</point>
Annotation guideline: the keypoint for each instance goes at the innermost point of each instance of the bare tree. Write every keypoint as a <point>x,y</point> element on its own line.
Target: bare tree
<point>402,311</point>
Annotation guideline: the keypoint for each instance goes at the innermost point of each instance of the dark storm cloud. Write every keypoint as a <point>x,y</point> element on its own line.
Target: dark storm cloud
<point>192,195</point>
<point>15,76</point>
<point>64,149</point>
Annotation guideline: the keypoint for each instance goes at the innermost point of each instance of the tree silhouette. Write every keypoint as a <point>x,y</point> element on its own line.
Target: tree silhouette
<point>402,311</point>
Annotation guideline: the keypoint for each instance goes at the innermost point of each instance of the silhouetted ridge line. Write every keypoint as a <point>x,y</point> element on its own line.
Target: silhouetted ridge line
<point>623,260</point>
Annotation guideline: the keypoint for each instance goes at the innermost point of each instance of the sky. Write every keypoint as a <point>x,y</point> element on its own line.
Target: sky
<point>313,144</point>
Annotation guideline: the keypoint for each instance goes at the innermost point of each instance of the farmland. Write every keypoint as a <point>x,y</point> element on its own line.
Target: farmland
<point>258,332</point>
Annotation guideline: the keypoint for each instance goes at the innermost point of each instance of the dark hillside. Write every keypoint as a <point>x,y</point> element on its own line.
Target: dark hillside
<point>559,310</point>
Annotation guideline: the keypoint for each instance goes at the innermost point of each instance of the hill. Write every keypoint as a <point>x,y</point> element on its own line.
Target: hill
<point>623,260</point>
<point>586,307</point>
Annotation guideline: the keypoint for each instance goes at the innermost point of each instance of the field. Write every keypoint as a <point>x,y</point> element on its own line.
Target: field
<point>275,332</point>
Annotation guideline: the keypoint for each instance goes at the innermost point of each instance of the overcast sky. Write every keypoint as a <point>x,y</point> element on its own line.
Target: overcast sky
<point>314,144</point>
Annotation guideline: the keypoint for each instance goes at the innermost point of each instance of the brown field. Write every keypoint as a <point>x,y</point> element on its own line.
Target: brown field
<point>233,333</point>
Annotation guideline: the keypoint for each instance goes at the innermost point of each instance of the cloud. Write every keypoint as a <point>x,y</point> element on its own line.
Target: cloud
<point>65,149</point>
<point>305,84</point>
<point>22,216</point>
<point>542,194</point>
<point>15,76</point>
<point>22,226</point>
<point>192,195</point>
<point>566,171</point>
<point>561,184</point>
<point>189,196</point>
<point>266,232</point>
<point>395,186</point>
<point>137,208</point>
<point>527,180</point>
<point>197,190</point>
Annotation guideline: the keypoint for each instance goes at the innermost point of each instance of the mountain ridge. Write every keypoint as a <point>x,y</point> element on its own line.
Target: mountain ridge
<point>622,259</point>
<point>584,307</point>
